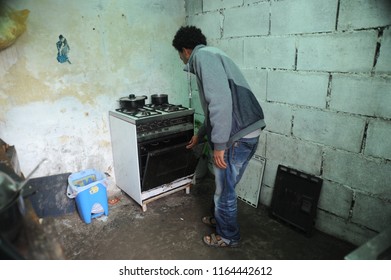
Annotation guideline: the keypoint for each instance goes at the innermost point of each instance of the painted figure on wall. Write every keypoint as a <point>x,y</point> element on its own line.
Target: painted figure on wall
<point>62,50</point>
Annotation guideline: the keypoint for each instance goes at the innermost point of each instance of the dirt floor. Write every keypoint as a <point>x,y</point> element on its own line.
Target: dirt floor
<point>171,229</point>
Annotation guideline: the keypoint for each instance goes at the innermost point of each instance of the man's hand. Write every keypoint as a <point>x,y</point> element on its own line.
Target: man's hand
<point>193,141</point>
<point>218,157</point>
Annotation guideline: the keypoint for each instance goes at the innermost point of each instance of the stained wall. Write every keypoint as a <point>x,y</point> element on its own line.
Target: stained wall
<point>59,111</point>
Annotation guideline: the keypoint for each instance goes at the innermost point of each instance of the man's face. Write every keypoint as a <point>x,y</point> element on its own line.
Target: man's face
<point>184,55</point>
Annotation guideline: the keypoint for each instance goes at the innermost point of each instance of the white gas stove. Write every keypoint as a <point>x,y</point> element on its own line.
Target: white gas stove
<point>149,150</point>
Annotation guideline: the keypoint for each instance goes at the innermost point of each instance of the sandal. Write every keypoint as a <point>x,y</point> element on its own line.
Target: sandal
<point>209,221</point>
<point>216,241</point>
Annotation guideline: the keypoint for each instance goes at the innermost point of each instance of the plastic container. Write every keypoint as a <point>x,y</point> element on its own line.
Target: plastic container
<point>88,187</point>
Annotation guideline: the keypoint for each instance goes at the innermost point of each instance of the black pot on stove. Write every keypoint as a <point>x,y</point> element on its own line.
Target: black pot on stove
<point>132,102</point>
<point>159,99</point>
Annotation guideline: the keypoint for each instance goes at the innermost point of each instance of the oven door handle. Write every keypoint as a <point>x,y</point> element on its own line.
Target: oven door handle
<point>167,149</point>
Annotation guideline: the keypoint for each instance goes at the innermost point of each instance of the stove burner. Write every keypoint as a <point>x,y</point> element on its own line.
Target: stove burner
<point>166,107</point>
<point>173,108</point>
<point>144,112</point>
<point>138,112</point>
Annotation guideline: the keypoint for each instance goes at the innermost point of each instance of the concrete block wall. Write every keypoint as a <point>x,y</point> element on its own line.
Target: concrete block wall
<point>322,72</point>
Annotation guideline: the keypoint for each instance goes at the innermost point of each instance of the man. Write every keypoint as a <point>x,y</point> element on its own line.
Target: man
<point>233,122</point>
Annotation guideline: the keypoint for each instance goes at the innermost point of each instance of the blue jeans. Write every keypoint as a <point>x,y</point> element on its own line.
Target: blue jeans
<point>225,199</point>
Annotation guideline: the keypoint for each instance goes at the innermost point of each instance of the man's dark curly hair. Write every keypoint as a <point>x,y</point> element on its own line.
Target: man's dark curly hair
<point>188,37</point>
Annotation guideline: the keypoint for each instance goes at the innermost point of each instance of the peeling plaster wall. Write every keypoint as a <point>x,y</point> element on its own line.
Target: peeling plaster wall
<point>59,111</point>
<point>321,70</point>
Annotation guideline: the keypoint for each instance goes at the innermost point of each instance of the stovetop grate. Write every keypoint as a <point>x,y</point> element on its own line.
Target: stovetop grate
<point>139,112</point>
<point>149,110</point>
<point>166,107</point>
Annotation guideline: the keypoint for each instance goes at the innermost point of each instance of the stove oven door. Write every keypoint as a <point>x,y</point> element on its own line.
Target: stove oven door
<point>168,164</point>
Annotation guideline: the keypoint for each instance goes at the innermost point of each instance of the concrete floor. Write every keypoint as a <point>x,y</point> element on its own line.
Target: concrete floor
<point>171,229</point>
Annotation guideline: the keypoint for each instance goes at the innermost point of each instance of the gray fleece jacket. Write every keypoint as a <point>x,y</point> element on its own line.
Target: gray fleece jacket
<point>230,107</point>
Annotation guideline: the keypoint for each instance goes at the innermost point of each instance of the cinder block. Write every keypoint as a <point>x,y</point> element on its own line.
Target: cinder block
<point>294,153</point>
<point>261,149</point>
<point>384,60</point>
<point>193,7</point>
<point>328,128</point>
<point>278,118</point>
<point>371,212</point>
<point>296,88</point>
<point>266,195</point>
<point>256,23</point>
<point>361,95</point>
<point>233,48</point>
<point>269,52</point>
<point>335,198</point>
<point>249,2</point>
<point>357,172</point>
<point>363,14</point>
<point>209,23</point>
<point>213,5</point>
<point>342,52</point>
<point>343,229</point>
<point>303,16</point>
<point>257,80</point>
<point>377,142</point>
<point>269,175</point>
